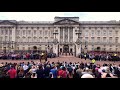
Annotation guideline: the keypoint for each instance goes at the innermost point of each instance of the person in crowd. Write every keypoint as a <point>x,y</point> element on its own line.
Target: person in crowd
<point>34,75</point>
<point>21,73</point>
<point>54,71</point>
<point>40,72</point>
<point>12,72</point>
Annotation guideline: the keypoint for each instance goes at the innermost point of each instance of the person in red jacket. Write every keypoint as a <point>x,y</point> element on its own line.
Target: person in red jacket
<point>12,72</point>
<point>62,73</point>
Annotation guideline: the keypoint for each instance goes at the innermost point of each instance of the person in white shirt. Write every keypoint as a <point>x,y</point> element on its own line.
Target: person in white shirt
<point>33,69</point>
<point>25,67</point>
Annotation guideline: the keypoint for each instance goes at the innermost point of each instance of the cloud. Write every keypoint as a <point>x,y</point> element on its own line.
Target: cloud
<point>30,16</point>
<point>95,16</point>
<point>49,16</point>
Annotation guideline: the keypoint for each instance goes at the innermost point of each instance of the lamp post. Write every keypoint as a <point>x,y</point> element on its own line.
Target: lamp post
<point>12,46</point>
<point>48,47</point>
<point>85,47</point>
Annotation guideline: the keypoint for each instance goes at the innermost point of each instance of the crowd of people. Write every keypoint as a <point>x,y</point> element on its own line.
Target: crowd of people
<point>98,56</point>
<point>23,56</point>
<point>58,69</point>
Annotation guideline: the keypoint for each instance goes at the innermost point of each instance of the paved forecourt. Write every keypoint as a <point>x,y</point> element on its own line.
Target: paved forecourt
<point>61,59</point>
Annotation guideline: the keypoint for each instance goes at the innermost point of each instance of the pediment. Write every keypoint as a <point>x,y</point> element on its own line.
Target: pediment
<point>7,22</point>
<point>66,21</point>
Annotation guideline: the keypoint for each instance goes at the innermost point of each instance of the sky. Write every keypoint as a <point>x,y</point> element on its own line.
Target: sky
<point>49,16</point>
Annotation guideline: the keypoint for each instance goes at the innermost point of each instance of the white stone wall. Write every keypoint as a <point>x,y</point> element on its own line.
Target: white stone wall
<point>47,30</point>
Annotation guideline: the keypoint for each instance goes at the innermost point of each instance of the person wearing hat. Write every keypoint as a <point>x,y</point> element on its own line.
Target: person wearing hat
<point>93,61</point>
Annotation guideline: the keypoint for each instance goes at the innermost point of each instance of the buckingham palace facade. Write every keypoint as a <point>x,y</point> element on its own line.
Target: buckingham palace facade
<point>63,35</point>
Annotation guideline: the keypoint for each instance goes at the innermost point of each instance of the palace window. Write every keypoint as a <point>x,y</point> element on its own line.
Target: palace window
<point>110,32</point>
<point>110,39</point>
<point>83,27</point>
<point>116,32</point>
<point>104,32</point>
<point>23,32</point>
<point>26,27</point>
<point>116,39</point>
<point>17,48</point>
<point>110,49</point>
<point>18,39</point>
<point>86,33</point>
<point>46,39</point>
<point>98,39</point>
<point>29,32</point>
<point>2,32</point>
<point>18,32</point>
<point>95,27</point>
<point>104,49</point>
<point>10,32</point>
<point>104,39</point>
<point>75,30</point>
<point>32,27</point>
<point>92,32</point>
<point>45,32</point>
<point>40,32</point>
<point>35,39</point>
<point>6,32</point>
<point>48,27</point>
<point>0,39</point>
<point>56,30</point>
<point>29,39</point>
<point>34,31</point>
<point>40,39</point>
<point>28,48</point>
<point>113,27</point>
<point>23,48</point>
<point>6,38</point>
<point>86,38</point>
<point>37,27</point>
<point>43,28</point>
<point>92,39</point>
<point>10,38</point>
<point>98,32</point>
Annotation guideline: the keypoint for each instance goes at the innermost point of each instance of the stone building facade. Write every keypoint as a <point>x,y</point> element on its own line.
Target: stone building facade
<point>63,35</point>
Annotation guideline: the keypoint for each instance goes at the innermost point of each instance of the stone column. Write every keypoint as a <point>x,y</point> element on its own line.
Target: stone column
<point>68,34</point>
<point>13,34</point>
<point>78,49</point>
<point>63,33</point>
<point>55,49</point>
<point>13,38</point>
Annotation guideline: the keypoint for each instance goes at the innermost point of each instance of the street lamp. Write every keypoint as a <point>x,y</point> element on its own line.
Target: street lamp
<point>48,46</point>
<point>85,46</point>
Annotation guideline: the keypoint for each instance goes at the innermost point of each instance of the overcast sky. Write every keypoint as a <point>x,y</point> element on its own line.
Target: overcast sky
<point>49,16</point>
